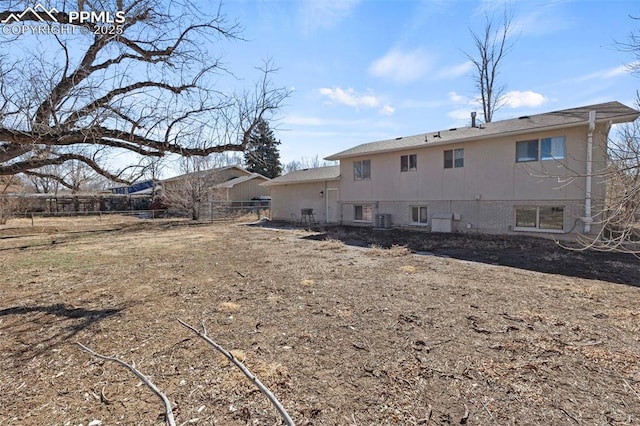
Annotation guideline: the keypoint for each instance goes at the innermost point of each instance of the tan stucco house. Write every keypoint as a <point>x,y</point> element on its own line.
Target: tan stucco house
<point>224,184</point>
<point>209,176</point>
<point>241,188</point>
<point>313,189</point>
<point>533,174</point>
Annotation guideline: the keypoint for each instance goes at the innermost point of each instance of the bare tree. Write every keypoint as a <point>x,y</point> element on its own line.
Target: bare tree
<point>191,189</point>
<point>74,176</point>
<point>490,49</point>
<point>632,45</point>
<point>46,180</point>
<point>619,220</point>
<point>306,163</point>
<point>148,87</point>
<point>10,203</point>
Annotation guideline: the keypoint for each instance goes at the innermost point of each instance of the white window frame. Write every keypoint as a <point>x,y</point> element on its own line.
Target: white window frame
<point>537,226</point>
<point>411,163</point>
<point>359,170</point>
<point>366,210</point>
<point>457,158</point>
<point>556,151</point>
<point>419,222</point>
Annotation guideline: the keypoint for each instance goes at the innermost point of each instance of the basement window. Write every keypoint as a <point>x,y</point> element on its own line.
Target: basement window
<point>363,213</point>
<point>418,215</point>
<point>540,218</point>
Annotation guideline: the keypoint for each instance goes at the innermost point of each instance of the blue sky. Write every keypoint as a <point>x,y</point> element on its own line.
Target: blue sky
<point>368,70</point>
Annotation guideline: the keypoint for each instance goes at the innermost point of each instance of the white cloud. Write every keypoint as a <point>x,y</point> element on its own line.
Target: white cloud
<point>621,70</point>
<point>541,20</point>
<point>350,97</point>
<point>517,99</point>
<point>310,121</point>
<point>387,110</point>
<point>458,99</point>
<point>610,73</point>
<point>423,103</point>
<point>460,114</point>
<point>401,66</point>
<point>455,71</point>
<point>298,120</point>
<point>318,14</point>
<point>529,19</point>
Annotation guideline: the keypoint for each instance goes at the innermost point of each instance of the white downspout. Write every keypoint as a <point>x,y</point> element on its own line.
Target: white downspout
<point>588,219</point>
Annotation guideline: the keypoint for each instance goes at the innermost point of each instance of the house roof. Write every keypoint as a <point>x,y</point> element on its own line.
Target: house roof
<point>613,112</point>
<point>236,181</point>
<point>307,175</point>
<point>206,172</point>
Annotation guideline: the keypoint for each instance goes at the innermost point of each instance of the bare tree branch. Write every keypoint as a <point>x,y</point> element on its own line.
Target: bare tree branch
<point>43,177</point>
<point>167,404</point>
<point>36,163</point>
<point>272,398</point>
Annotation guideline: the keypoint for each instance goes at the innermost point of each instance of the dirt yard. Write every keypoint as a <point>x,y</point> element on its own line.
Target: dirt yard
<point>342,331</point>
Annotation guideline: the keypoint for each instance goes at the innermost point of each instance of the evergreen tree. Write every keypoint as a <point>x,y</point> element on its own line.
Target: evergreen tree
<point>262,155</point>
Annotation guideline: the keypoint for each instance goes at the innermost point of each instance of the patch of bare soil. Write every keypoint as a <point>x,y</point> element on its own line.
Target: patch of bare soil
<point>524,252</point>
<point>341,334</point>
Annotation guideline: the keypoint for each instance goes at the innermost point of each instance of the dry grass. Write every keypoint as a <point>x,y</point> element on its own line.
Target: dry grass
<point>408,269</point>
<point>229,307</point>
<point>333,245</point>
<point>341,334</point>
<point>394,251</point>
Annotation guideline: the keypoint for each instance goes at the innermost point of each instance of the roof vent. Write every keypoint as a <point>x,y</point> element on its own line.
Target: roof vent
<point>473,119</point>
<point>523,117</point>
<point>453,129</point>
<point>425,138</point>
<point>437,135</point>
<point>398,138</point>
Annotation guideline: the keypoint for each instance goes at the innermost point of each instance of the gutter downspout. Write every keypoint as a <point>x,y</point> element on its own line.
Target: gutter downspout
<point>588,219</point>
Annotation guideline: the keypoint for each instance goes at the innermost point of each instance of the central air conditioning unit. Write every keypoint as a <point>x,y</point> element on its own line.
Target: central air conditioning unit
<point>382,220</point>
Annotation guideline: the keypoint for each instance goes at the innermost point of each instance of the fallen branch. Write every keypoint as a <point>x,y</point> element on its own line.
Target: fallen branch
<point>272,398</point>
<point>167,405</point>
<point>465,417</point>
<point>568,414</point>
<point>103,397</point>
<point>488,411</point>
<point>425,420</point>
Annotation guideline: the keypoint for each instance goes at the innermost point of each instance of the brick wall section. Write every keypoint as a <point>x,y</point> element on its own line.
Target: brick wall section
<point>492,217</point>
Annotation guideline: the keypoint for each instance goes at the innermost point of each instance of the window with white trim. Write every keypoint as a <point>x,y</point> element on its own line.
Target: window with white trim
<point>552,148</point>
<point>419,215</point>
<point>540,149</point>
<point>453,158</point>
<point>408,163</point>
<point>363,213</point>
<point>362,170</point>
<point>549,218</point>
